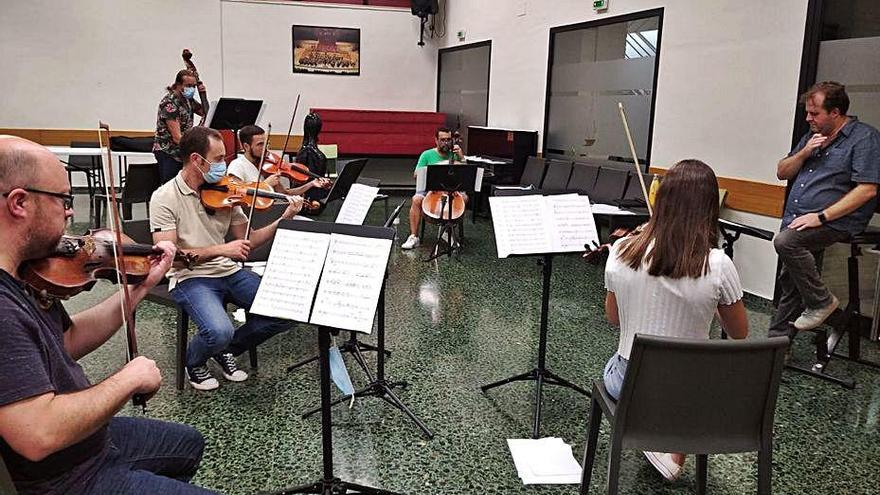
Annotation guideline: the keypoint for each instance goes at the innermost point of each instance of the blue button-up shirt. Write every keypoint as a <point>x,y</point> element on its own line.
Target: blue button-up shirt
<point>831,172</point>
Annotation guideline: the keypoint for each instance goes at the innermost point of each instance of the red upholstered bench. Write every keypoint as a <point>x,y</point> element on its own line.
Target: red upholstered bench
<point>379,132</point>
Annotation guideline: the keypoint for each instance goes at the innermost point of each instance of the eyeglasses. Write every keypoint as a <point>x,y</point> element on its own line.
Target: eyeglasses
<point>67,199</point>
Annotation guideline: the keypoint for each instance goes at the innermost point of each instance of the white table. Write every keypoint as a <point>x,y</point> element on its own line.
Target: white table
<point>122,157</point>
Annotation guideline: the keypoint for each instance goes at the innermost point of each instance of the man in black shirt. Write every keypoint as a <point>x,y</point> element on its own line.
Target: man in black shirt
<point>57,431</point>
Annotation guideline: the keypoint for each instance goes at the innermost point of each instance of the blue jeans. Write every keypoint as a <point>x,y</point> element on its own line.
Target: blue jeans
<point>149,456</point>
<point>168,166</point>
<point>203,299</point>
<point>615,371</point>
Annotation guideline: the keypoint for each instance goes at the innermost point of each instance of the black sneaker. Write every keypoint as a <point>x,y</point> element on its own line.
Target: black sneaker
<point>200,378</point>
<point>227,363</point>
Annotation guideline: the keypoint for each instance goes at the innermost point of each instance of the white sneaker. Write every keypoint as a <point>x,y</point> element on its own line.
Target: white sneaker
<point>411,242</point>
<point>200,378</point>
<point>812,318</point>
<point>664,464</point>
<point>230,368</point>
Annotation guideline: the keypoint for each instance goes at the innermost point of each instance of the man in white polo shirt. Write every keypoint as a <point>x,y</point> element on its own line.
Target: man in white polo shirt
<point>177,215</point>
<point>253,141</point>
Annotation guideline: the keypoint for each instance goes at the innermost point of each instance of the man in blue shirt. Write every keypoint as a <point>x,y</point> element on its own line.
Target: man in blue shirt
<point>834,173</point>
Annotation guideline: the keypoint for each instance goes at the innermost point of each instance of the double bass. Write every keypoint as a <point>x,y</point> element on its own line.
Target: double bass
<point>203,95</point>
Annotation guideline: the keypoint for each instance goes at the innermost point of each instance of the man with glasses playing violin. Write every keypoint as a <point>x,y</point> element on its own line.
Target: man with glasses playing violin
<point>58,433</point>
<point>253,141</point>
<point>177,215</point>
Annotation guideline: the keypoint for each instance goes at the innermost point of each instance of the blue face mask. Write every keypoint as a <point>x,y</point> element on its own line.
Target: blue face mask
<point>339,373</point>
<point>189,92</point>
<point>215,173</point>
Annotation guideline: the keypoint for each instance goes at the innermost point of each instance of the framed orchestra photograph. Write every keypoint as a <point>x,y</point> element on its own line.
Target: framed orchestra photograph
<point>326,50</point>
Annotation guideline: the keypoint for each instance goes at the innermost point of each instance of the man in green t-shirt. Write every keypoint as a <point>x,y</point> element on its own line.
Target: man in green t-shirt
<point>440,153</point>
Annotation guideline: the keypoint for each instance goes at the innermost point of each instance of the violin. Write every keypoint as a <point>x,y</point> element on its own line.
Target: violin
<point>203,95</point>
<point>297,172</point>
<point>594,254</point>
<point>230,191</point>
<point>80,261</point>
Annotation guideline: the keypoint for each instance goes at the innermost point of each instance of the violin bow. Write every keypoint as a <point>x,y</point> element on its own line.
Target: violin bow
<point>118,259</point>
<point>632,149</point>
<point>289,128</point>
<point>247,232</point>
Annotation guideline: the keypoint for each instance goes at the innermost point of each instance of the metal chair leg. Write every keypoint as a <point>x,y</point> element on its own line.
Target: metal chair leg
<point>590,450</point>
<point>702,473</point>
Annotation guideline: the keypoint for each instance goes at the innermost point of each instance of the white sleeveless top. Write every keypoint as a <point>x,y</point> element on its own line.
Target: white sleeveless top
<point>668,307</point>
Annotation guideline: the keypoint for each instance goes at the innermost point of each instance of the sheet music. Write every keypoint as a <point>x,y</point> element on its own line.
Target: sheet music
<point>351,283</point>
<point>572,221</point>
<point>478,183</point>
<point>291,275</point>
<point>521,225</point>
<point>534,224</point>
<point>356,205</point>
<point>421,179</point>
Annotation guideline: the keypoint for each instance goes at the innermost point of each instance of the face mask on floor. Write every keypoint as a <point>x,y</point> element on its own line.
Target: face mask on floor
<point>339,373</point>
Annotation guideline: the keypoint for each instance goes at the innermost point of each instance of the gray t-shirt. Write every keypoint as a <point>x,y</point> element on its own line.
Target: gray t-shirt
<point>35,362</point>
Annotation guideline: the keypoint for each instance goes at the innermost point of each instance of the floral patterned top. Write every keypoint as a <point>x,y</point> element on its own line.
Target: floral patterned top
<point>172,107</point>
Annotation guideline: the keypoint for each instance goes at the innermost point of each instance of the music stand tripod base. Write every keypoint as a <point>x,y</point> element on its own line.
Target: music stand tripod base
<point>540,374</point>
<point>379,387</point>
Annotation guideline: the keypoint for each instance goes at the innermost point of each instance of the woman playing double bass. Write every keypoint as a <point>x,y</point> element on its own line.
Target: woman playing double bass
<point>175,117</point>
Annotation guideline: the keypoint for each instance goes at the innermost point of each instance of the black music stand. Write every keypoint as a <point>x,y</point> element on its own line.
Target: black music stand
<point>233,114</point>
<point>329,484</point>
<point>449,179</point>
<point>540,374</point>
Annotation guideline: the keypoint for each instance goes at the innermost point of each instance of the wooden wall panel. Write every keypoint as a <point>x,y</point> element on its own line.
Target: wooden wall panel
<point>749,196</point>
<point>63,137</point>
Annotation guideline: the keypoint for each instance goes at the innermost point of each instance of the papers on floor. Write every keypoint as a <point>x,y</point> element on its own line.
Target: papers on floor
<point>546,461</point>
<point>357,204</point>
<point>535,224</point>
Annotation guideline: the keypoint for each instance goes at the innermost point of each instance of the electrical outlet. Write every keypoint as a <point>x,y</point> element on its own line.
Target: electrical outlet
<point>462,34</point>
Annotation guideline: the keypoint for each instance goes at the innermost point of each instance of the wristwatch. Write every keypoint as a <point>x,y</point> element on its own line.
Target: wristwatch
<point>822,218</point>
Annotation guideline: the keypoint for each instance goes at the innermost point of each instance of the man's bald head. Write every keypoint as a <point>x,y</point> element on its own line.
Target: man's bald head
<point>21,162</point>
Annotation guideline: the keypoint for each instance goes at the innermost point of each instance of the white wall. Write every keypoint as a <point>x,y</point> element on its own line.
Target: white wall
<point>67,64</point>
<point>726,90</point>
<point>396,74</point>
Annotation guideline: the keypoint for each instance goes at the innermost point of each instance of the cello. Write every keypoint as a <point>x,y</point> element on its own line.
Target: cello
<point>442,205</point>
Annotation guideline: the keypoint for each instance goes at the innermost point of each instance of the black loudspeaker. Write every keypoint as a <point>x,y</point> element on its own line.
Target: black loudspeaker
<point>424,8</point>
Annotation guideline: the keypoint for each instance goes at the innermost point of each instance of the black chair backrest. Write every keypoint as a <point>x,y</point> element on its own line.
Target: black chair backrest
<point>558,173</point>
<point>583,178</point>
<point>699,396</point>
<point>84,162</point>
<point>533,173</point>
<point>138,230</point>
<point>369,181</point>
<point>634,187</point>
<point>610,185</point>
<point>141,180</point>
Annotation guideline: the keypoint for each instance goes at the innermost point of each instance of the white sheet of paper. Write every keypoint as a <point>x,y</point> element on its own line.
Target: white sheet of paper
<point>520,225</point>
<point>291,275</point>
<point>421,179</point>
<point>544,461</point>
<point>604,209</point>
<point>351,282</point>
<point>356,205</point>
<point>478,183</point>
<point>573,222</point>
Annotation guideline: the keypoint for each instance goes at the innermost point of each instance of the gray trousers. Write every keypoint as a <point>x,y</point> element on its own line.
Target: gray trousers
<point>799,283</point>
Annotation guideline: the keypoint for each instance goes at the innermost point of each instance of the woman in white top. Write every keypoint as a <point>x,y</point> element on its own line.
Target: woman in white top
<point>671,279</point>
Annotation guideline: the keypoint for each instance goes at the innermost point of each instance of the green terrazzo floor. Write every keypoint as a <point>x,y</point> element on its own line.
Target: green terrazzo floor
<point>453,326</point>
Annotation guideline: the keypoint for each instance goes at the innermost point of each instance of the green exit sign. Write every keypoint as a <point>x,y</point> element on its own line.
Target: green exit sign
<point>599,5</point>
